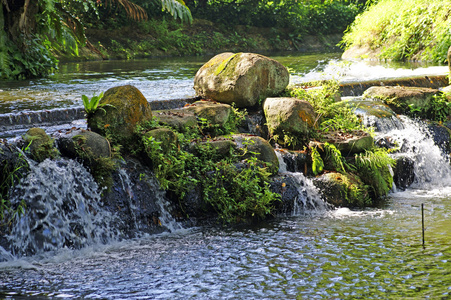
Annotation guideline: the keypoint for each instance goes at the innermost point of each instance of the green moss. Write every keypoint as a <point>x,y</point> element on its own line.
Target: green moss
<point>40,145</point>
<point>224,64</point>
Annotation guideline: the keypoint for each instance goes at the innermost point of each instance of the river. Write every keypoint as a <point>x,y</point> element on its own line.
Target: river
<point>372,253</point>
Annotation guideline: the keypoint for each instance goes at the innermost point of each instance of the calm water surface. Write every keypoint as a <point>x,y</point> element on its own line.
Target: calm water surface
<point>172,78</point>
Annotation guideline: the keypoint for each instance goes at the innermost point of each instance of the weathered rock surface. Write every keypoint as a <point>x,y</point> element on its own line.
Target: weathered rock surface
<point>40,144</point>
<point>400,97</point>
<point>89,142</point>
<point>348,143</point>
<point>214,112</point>
<point>180,120</point>
<point>166,137</point>
<point>404,174</point>
<point>240,78</point>
<point>125,106</point>
<point>288,116</point>
<point>259,147</point>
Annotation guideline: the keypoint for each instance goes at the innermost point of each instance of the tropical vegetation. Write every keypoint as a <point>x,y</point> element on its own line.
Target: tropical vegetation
<point>35,34</point>
<point>403,30</point>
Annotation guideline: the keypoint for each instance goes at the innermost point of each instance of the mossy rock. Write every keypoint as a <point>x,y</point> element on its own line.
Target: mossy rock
<point>124,108</point>
<point>240,78</point>
<point>288,116</point>
<point>258,147</point>
<point>181,120</point>
<point>84,143</point>
<point>400,97</point>
<point>356,141</point>
<point>220,148</point>
<point>40,144</point>
<point>215,113</point>
<point>164,135</point>
<point>343,190</point>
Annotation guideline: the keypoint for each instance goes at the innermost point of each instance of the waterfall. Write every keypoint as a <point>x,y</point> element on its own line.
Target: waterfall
<point>414,140</point>
<point>308,198</point>
<point>63,209</point>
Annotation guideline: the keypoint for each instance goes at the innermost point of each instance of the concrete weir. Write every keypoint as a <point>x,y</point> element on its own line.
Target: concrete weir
<point>356,88</point>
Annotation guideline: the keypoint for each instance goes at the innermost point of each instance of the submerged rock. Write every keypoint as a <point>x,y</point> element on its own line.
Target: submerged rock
<point>240,78</point>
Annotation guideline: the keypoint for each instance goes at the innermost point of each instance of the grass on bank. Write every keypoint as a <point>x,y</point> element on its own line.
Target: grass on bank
<point>403,30</point>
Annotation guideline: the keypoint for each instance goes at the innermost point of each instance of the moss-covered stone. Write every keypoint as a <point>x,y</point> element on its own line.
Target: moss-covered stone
<point>40,144</point>
<point>241,78</point>
<point>89,142</point>
<point>165,136</point>
<point>213,112</point>
<point>288,117</point>
<point>258,147</point>
<point>400,97</point>
<point>343,190</point>
<point>123,108</point>
<point>181,120</point>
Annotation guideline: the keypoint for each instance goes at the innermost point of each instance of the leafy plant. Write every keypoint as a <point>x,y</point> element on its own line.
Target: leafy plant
<point>374,168</point>
<point>92,105</point>
<point>317,161</point>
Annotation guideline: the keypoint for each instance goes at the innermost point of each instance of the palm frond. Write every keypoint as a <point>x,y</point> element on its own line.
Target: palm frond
<point>133,10</point>
<point>178,9</point>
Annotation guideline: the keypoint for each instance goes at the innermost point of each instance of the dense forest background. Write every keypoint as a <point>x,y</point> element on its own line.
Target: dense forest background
<point>36,34</point>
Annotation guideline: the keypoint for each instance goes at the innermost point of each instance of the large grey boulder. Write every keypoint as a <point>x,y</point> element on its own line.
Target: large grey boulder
<point>288,116</point>
<point>240,78</point>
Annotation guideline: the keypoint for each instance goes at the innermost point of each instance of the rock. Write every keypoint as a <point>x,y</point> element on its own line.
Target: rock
<point>40,144</point>
<point>374,113</point>
<point>400,97</point>
<point>213,112</point>
<point>81,143</point>
<point>241,78</point>
<point>165,136</point>
<point>180,120</point>
<point>347,142</point>
<point>221,147</point>
<point>125,108</point>
<point>288,116</point>
<point>259,147</point>
<point>404,172</point>
<point>296,161</point>
<point>288,189</point>
<point>342,190</point>
<point>441,136</point>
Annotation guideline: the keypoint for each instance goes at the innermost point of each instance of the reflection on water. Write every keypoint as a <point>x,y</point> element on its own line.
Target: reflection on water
<point>341,255</point>
<point>172,78</point>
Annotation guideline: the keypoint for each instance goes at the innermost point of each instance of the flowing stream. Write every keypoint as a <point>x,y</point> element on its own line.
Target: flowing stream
<point>318,253</point>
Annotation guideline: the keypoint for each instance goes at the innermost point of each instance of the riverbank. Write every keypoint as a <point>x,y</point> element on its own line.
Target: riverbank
<point>156,38</point>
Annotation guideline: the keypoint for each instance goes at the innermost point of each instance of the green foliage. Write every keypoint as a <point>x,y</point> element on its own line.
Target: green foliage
<point>374,169</point>
<point>438,109</point>
<point>411,29</point>
<point>334,158</point>
<point>297,17</point>
<point>317,161</point>
<point>12,171</point>
<point>332,116</point>
<point>237,188</point>
<point>92,105</point>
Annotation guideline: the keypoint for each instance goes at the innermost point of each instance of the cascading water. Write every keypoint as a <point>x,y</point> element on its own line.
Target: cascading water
<point>415,141</point>
<point>63,209</point>
<point>308,198</point>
